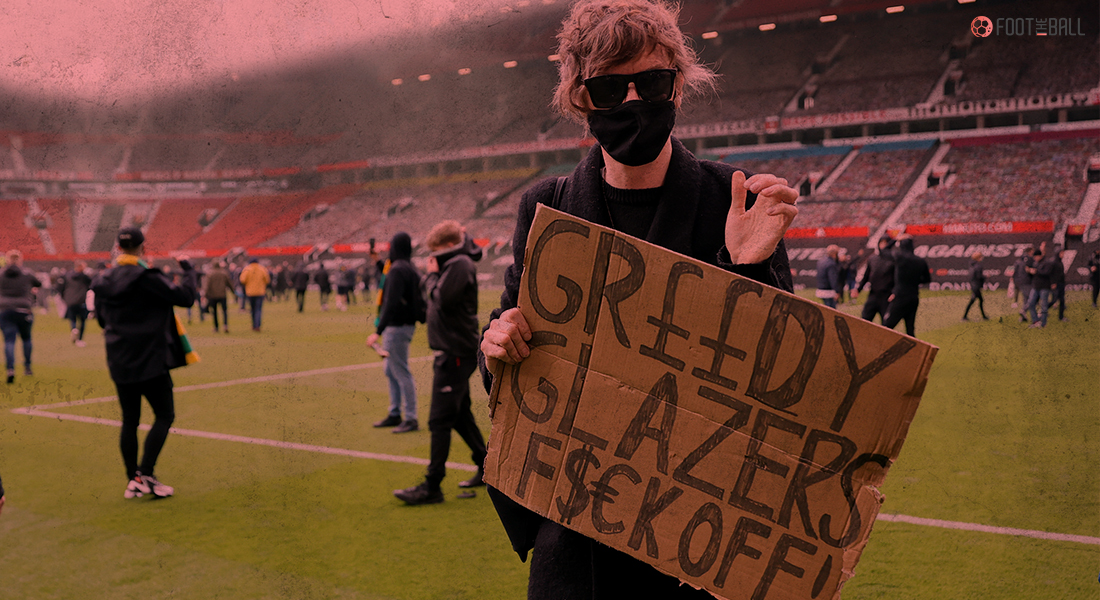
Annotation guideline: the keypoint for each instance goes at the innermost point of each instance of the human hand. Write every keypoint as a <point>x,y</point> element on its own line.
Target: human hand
<point>506,339</point>
<point>752,235</point>
<point>372,339</point>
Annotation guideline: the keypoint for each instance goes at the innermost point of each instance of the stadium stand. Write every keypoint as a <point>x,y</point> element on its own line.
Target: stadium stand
<point>877,173</point>
<point>996,182</point>
<point>60,224</point>
<point>177,221</point>
<point>251,220</point>
<point>794,165</point>
<point>17,234</point>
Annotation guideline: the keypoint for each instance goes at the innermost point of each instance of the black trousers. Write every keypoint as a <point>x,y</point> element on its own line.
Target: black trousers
<point>158,391</point>
<point>1059,296</point>
<point>212,305</point>
<point>300,297</point>
<point>975,295</point>
<point>902,309</point>
<point>451,411</point>
<point>876,305</point>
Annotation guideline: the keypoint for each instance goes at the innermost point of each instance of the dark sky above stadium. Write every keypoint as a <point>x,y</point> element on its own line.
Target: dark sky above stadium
<point>103,51</point>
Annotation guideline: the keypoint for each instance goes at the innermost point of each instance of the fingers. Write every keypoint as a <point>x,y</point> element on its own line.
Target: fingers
<point>772,188</point>
<point>787,211</point>
<point>506,338</point>
<point>757,183</point>
<point>738,193</point>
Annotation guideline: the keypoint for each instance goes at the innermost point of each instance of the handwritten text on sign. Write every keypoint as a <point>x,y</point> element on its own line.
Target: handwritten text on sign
<point>725,432</point>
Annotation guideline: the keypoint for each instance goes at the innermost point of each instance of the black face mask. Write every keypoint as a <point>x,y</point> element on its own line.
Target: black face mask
<point>635,132</point>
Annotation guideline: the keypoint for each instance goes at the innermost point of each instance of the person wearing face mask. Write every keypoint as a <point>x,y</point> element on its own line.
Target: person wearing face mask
<point>625,69</point>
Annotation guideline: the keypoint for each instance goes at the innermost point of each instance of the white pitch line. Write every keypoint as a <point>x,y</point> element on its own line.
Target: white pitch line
<point>219,384</point>
<point>38,411</point>
<point>247,440</point>
<point>1031,533</point>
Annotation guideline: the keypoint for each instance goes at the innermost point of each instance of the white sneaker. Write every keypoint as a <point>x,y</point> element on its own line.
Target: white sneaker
<point>80,344</point>
<point>159,489</point>
<point>74,335</point>
<point>136,488</point>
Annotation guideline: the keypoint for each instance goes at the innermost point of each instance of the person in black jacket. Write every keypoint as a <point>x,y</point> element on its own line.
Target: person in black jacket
<point>1021,281</point>
<point>74,293</point>
<point>300,279</point>
<point>1042,275</point>
<point>397,318</point>
<point>625,69</point>
<point>910,272</point>
<point>450,287</point>
<point>828,277</point>
<point>1046,264</point>
<point>977,282</point>
<point>17,288</point>
<point>879,274</point>
<point>324,284</point>
<point>133,304</point>
<point>1058,283</point>
<point>1094,275</point>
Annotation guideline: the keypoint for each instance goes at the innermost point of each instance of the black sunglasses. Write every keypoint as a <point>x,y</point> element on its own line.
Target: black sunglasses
<point>608,91</point>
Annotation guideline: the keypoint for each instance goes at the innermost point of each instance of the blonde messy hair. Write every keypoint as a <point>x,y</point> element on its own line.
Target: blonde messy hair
<point>600,34</point>
<point>446,233</point>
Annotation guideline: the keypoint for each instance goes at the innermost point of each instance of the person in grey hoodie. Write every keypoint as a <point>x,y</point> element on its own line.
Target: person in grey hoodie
<point>17,288</point>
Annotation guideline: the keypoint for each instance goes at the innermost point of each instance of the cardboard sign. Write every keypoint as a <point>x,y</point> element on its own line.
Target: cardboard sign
<point>725,432</point>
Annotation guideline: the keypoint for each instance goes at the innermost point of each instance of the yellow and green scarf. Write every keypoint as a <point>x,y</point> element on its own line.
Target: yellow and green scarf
<point>191,356</point>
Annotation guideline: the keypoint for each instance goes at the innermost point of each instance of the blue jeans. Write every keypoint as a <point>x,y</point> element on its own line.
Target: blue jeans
<point>14,323</point>
<point>396,340</point>
<point>1039,299</point>
<point>257,305</point>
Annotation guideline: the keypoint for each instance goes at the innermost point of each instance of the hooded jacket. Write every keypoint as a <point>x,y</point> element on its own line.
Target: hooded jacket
<point>74,288</point>
<point>255,278</point>
<point>402,284</point>
<point>134,304</point>
<point>452,301</point>
<point>16,289</point>
<point>910,272</point>
<point>879,273</point>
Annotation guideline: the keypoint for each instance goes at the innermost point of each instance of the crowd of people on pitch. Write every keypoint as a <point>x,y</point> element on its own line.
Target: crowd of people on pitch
<point>1038,282</point>
<point>894,276</point>
<point>134,303</point>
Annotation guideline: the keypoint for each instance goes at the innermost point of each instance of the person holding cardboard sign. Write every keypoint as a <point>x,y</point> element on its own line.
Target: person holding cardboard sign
<point>625,70</point>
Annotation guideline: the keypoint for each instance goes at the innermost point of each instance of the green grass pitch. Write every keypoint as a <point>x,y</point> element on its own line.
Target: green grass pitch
<point>1008,435</point>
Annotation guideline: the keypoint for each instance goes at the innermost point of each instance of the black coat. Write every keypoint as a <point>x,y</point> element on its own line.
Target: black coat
<point>879,273</point>
<point>133,305</point>
<point>910,272</point>
<point>977,276</point>
<point>690,220</point>
<point>398,301</point>
<point>452,303</point>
